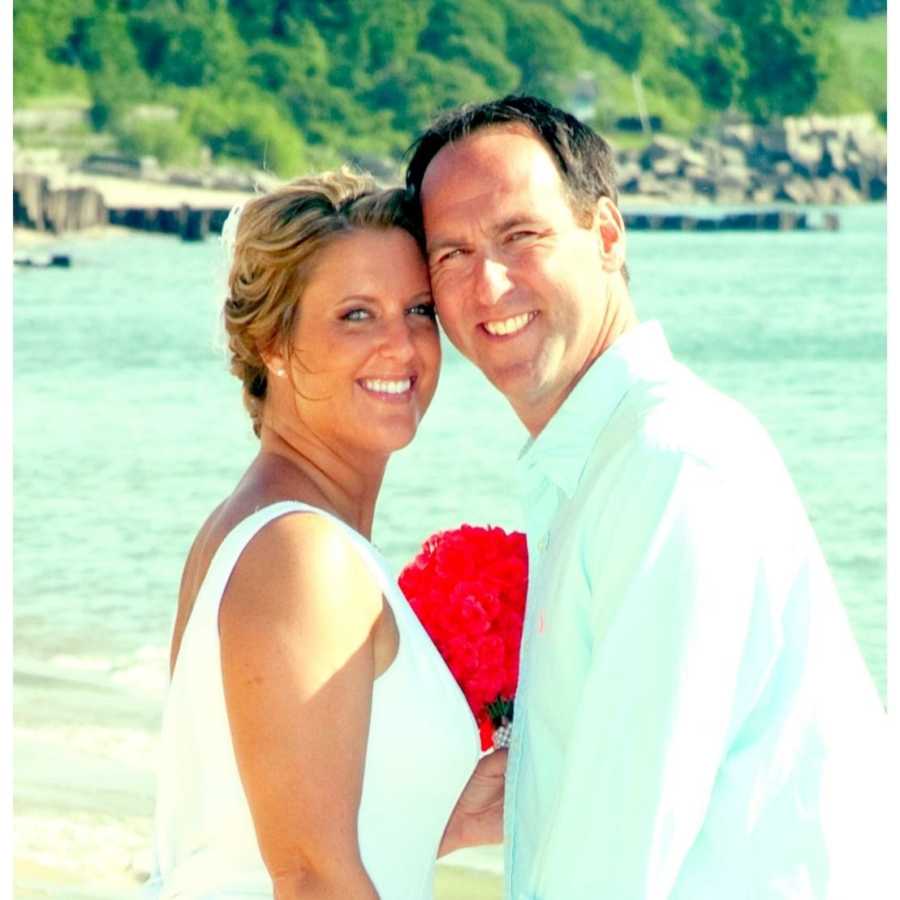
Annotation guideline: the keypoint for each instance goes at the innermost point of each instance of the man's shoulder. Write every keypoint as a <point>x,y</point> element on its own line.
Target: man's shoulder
<point>679,421</point>
<point>682,416</point>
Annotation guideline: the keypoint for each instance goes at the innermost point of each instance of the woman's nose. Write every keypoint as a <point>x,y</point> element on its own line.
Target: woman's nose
<point>398,339</point>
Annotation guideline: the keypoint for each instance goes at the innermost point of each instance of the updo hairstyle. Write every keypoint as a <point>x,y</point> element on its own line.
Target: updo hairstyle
<point>279,237</point>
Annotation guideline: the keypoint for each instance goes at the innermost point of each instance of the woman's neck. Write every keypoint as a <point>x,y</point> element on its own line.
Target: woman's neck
<point>342,484</point>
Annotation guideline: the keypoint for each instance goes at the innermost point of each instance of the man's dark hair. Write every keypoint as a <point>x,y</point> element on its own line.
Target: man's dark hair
<point>584,159</point>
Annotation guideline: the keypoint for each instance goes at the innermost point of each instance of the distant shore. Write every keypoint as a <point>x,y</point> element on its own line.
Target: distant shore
<point>813,161</point>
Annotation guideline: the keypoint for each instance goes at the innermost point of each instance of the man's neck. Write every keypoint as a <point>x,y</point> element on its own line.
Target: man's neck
<point>619,320</point>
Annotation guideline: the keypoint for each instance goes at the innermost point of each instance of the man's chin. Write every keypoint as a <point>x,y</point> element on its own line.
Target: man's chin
<point>517,384</point>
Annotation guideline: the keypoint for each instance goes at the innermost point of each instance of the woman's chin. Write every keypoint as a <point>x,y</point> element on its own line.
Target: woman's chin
<point>398,440</point>
<point>389,437</point>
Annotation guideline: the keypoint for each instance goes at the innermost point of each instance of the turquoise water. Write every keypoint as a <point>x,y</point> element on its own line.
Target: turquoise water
<point>128,430</point>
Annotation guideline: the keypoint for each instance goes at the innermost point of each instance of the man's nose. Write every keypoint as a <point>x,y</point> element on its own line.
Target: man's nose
<point>492,281</point>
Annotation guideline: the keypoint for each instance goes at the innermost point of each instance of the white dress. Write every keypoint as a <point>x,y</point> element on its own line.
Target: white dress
<point>422,747</point>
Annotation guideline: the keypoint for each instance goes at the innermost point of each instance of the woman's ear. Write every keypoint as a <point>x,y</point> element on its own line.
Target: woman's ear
<point>276,364</point>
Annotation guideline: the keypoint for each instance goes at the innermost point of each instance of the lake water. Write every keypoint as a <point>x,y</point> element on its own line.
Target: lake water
<point>128,430</point>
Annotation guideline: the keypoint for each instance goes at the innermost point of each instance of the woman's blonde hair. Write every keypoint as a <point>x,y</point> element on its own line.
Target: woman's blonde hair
<point>279,236</point>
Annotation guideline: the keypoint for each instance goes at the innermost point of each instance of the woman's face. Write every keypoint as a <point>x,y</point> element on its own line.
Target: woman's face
<point>366,351</point>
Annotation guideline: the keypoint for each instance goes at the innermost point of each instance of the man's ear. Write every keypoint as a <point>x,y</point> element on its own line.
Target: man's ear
<point>610,228</point>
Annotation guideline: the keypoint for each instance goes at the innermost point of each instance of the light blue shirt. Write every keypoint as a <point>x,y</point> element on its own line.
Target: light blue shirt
<point>694,720</point>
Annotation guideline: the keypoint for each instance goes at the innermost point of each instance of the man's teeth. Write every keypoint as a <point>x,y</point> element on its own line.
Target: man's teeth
<point>509,326</point>
<point>380,386</point>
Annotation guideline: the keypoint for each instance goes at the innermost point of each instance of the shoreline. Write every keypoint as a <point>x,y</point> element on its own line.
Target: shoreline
<point>34,880</point>
<point>84,792</point>
<point>32,239</point>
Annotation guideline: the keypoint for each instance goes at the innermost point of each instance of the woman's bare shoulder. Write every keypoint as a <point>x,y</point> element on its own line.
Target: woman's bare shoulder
<point>302,558</point>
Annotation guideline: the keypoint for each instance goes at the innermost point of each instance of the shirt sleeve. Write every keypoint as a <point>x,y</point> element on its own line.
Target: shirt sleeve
<point>672,561</point>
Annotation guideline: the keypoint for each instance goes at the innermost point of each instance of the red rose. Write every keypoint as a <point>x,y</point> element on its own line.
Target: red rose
<point>468,588</point>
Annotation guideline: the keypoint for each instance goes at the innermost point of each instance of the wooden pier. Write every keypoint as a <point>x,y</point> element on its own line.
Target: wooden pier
<point>777,219</point>
<point>36,205</point>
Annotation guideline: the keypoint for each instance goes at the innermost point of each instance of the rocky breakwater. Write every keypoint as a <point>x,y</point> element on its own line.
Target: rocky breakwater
<point>811,160</point>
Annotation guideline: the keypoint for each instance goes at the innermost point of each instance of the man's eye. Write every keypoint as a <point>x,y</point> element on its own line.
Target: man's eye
<point>520,235</point>
<point>449,255</point>
<point>355,315</point>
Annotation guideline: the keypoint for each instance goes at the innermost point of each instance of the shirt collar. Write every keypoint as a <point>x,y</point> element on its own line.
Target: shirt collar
<point>560,451</point>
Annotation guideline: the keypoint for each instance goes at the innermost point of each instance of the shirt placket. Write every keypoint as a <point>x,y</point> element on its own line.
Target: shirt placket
<point>540,514</point>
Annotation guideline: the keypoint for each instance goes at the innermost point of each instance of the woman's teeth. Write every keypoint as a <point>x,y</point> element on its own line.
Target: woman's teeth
<point>509,326</point>
<point>381,386</point>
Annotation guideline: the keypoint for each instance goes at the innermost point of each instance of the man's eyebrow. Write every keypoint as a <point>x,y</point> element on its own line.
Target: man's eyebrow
<point>514,222</point>
<point>500,227</point>
<point>442,244</point>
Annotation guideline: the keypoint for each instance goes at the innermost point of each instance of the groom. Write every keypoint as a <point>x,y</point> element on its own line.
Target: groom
<point>694,719</point>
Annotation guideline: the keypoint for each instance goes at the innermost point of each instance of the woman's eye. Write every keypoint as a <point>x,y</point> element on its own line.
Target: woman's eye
<point>355,315</point>
<point>424,309</point>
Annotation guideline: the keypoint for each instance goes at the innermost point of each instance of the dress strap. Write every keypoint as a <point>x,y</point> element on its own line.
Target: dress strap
<point>209,597</point>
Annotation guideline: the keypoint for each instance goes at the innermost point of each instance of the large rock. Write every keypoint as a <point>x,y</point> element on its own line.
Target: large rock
<point>661,146</point>
<point>679,190</point>
<point>805,153</point>
<point>834,157</point>
<point>762,194</point>
<point>795,190</point>
<point>734,178</point>
<point>742,136</point>
<point>691,159</point>
<point>841,190</point>
<point>704,186</point>
<point>783,168</point>
<point>649,185</point>
<point>628,175</point>
<point>732,157</point>
<point>666,166</point>
<point>821,191</point>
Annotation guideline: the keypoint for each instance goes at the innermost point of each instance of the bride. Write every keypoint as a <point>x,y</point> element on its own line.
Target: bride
<point>314,744</point>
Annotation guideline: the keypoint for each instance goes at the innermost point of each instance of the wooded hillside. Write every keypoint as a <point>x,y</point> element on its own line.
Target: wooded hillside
<point>288,83</point>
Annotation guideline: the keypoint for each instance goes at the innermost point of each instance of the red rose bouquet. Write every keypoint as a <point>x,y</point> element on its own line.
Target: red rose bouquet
<point>468,587</point>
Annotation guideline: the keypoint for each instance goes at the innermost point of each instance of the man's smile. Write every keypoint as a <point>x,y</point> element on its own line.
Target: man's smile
<point>512,325</point>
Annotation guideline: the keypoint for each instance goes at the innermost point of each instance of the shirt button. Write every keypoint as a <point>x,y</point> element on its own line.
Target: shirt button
<point>544,543</point>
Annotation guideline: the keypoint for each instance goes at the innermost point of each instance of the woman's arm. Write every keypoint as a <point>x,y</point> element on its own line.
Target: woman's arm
<point>296,627</point>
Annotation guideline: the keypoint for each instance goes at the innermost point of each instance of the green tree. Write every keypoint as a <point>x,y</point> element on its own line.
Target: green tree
<point>710,52</point>
<point>544,45</point>
<point>862,9</point>
<point>277,67</point>
<point>189,43</point>
<point>40,32</point>
<point>243,123</point>
<point>422,88</point>
<point>786,46</point>
<point>472,34</point>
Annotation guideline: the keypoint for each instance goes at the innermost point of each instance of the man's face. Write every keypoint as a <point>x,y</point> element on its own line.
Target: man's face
<point>519,284</point>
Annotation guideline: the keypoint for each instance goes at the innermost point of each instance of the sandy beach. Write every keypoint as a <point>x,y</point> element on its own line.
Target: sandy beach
<point>35,881</point>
